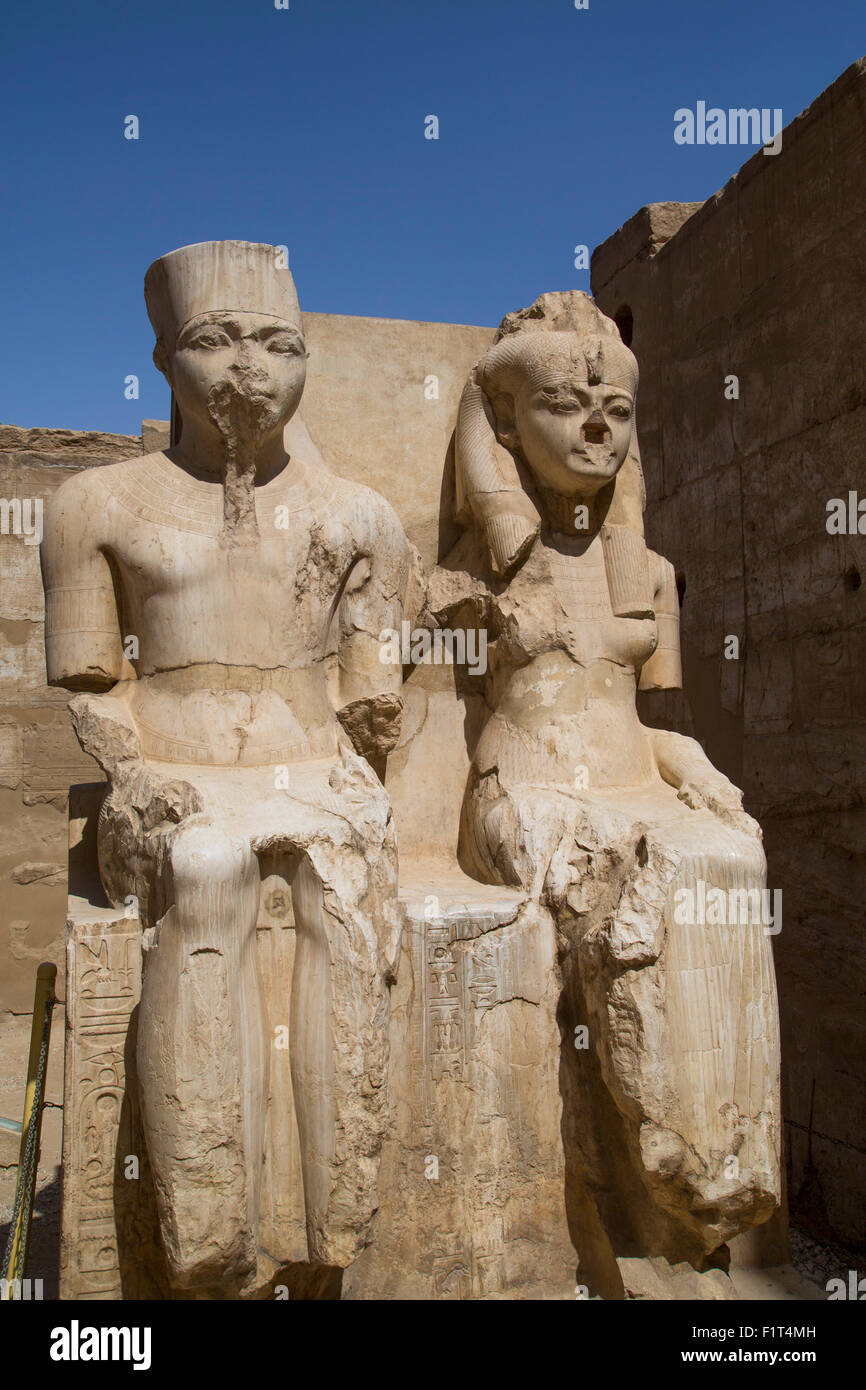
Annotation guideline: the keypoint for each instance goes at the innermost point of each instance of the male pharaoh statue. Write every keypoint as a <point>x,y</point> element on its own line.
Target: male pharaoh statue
<point>218,606</point>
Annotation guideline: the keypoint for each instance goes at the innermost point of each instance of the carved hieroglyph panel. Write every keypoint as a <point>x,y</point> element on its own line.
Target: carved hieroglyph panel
<point>103,988</point>
<point>471,1187</point>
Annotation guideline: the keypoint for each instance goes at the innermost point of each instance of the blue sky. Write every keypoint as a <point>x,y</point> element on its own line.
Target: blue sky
<point>305,127</point>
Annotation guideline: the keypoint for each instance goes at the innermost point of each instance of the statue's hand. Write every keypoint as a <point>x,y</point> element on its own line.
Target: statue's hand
<point>373,724</point>
<point>683,763</point>
<point>157,799</point>
<point>105,727</point>
<point>106,730</point>
<point>720,796</point>
<point>136,823</point>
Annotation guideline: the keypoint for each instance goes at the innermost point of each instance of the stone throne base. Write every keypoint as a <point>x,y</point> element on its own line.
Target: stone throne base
<point>472,1176</point>
<point>476,1197</point>
<point>472,1185</point>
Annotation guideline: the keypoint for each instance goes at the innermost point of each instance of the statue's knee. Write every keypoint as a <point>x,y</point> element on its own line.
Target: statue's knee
<point>202,1268</point>
<point>205,861</point>
<point>308,898</point>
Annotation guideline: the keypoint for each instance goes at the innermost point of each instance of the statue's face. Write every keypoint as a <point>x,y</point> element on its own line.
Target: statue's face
<point>575,437</point>
<point>251,358</point>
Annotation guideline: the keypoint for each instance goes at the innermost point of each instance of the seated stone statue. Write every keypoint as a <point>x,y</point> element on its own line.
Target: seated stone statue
<point>608,823</point>
<point>218,606</point>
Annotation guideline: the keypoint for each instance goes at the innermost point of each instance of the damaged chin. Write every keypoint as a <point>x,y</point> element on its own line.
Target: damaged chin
<point>243,417</point>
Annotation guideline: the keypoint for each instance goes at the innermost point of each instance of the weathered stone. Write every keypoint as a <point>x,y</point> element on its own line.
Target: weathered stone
<point>39,873</point>
<point>228,768</point>
<point>762,283</point>
<point>610,825</point>
<point>248,848</point>
<point>155,435</point>
<point>401,449</point>
<point>11,756</point>
<point>657,1280</point>
<point>576,924</point>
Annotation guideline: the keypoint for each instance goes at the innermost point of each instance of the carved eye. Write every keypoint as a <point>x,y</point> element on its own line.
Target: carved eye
<point>210,338</point>
<point>286,344</point>
<point>621,412</point>
<point>561,403</point>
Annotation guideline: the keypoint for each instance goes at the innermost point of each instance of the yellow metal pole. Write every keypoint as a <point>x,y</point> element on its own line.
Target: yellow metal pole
<point>46,976</point>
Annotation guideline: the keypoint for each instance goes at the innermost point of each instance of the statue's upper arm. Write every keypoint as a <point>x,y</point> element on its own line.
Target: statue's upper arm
<point>82,639</point>
<point>372,602</point>
<point>663,670</point>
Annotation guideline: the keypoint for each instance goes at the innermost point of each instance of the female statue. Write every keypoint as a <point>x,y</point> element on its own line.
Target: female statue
<point>630,837</point>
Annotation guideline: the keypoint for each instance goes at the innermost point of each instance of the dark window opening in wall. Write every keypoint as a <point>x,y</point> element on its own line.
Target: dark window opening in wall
<point>681,586</point>
<point>624,320</point>
<point>852,579</point>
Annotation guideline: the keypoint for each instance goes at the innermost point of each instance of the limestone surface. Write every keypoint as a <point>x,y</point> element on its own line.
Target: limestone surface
<point>408,979</point>
<point>622,832</point>
<point>746,319</point>
<point>217,605</point>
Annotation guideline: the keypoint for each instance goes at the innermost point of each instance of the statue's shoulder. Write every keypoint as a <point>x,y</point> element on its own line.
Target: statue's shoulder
<point>663,581</point>
<point>374,512</point>
<point>660,568</point>
<point>147,487</point>
<point>86,492</point>
<point>102,479</point>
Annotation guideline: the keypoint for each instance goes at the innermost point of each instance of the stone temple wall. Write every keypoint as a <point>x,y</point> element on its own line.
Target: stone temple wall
<point>39,753</point>
<point>767,281</point>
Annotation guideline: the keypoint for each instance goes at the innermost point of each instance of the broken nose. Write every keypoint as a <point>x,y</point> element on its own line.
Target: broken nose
<point>595,430</point>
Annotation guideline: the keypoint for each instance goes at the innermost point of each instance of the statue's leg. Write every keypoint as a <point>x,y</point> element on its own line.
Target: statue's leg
<point>681,1015</point>
<point>203,1061</point>
<point>345,910</point>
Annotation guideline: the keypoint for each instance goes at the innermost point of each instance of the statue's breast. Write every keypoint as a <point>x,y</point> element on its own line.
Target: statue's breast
<point>562,601</point>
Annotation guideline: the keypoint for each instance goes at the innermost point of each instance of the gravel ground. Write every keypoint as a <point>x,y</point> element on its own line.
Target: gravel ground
<point>820,1261</point>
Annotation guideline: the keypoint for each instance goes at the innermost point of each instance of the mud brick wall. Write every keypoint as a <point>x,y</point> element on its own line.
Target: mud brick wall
<point>767,281</point>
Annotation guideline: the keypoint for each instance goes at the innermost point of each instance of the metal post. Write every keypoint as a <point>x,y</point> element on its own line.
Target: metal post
<point>31,1129</point>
